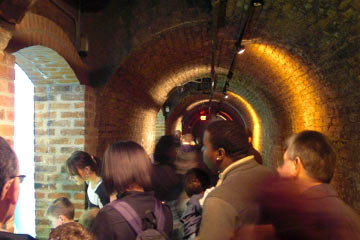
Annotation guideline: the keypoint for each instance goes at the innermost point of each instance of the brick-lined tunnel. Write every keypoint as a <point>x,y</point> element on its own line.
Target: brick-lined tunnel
<point>299,71</point>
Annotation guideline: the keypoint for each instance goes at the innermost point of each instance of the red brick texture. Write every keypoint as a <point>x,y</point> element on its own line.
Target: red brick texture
<point>37,30</point>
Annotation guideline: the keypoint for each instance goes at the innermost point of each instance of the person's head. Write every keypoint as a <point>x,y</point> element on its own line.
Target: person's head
<point>224,142</point>
<point>187,139</point>
<point>178,134</point>
<point>60,211</point>
<point>9,181</point>
<point>309,154</point>
<point>71,231</point>
<point>196,181</point>
<point>166,149</point>
<point>88,217</point>
<point>81,164</point>
<point>126,164</point>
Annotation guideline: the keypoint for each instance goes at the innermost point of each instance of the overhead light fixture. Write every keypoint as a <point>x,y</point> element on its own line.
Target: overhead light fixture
<point>257,3</point>
<point>241,50</point>
<point>225,89</point>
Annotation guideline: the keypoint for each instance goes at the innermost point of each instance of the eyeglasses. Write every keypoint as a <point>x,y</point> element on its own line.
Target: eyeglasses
<point>21,177</point>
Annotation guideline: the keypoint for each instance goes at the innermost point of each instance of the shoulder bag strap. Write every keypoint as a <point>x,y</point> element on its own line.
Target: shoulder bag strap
<point>129,214</point>
<point>160,214</point>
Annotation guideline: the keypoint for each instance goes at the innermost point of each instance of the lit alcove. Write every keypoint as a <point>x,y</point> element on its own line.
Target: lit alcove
<point>24,148</point>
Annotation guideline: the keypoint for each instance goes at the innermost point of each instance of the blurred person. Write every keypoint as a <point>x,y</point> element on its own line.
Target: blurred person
<point>60,211</point>
<point>252,150</point>
<point>302,204</point>
<point>71,231</point>
<point>127,172</point>
<point>88,217</point>
<point>187,143</point>
<point>9,190</point>
<point>85,168</point>
<point>178,135</point>
<point>166,183</point>
<point>233,203</point>
<point>195,183</point>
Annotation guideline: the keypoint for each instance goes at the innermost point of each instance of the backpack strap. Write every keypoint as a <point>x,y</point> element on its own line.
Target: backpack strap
<point>159,214</point>
<point>129,214</point>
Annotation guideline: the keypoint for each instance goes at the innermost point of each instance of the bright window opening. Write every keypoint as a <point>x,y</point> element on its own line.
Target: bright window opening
<point>24,148</point>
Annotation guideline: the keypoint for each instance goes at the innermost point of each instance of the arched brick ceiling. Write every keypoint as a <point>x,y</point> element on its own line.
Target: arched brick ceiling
<point>45,66</point>
<point>304,60</point>
<point>37,30</point>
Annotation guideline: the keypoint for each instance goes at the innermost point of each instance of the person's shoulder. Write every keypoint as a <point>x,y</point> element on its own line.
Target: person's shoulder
<point>13,236</point>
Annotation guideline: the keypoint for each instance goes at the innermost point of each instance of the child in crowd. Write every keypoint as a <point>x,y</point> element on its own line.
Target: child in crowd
<point>195,181</point>
<point>71,231</point>
<point>60,211</point>
<point>88,217</point>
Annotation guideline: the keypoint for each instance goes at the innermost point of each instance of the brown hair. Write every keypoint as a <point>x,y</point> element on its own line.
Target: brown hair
<point>126,163</point>
<point>70,231</point>
<point>162,148</point>
<point>61,206</point>
<point>230,136</point>
<point>196,181</point>
<point>315,152</point>
<point>80,159</point>
<point>88,217</point>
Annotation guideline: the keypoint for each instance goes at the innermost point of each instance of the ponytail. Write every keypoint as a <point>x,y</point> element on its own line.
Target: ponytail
<point>81,159</point>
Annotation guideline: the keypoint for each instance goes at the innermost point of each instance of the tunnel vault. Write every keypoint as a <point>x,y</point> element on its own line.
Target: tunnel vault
<point>300,71</point>
<point>268,78</point>
<point>277,82</point>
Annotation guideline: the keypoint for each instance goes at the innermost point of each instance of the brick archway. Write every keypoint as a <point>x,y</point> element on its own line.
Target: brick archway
<point>37,30</point>
<point>64,122</point>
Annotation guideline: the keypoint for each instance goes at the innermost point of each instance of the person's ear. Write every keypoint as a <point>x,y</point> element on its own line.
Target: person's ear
<point>298,167</point>
<point>220,154</point>
<point>62,219</point>
<point>5,189</point>
<point>10,191</point>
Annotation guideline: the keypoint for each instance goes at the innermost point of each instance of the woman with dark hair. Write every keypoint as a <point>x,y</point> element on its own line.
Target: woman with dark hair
<point>83,167</point>
<point>166,183</point>
<point>127,173</point>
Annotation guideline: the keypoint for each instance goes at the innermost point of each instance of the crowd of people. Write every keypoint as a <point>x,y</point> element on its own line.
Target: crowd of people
<point>216,189</point>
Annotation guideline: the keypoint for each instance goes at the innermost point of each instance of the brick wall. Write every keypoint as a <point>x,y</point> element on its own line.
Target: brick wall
<point>59,130</point>
<point>64,110</point>
<point>159,125</point>
<point>7,76</point>
<point>91,129</point>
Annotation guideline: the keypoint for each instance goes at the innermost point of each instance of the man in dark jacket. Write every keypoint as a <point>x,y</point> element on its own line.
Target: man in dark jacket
<point>9,189</point>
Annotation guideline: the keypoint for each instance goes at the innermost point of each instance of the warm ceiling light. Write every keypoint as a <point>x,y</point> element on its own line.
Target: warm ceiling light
<point>257,3</point>
<point>241,50</point>
<point>203,117</point>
